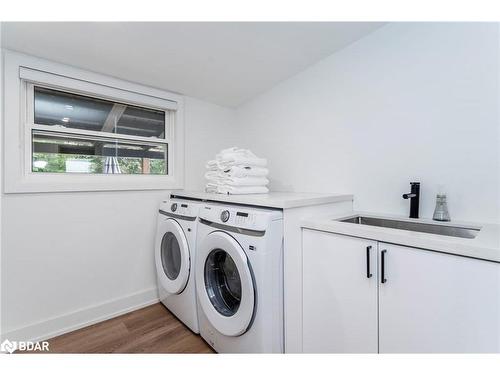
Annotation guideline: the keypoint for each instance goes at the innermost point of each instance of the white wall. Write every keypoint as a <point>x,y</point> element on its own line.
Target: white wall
<point>209,128</point>
<point>407,102</point>
<point>70,258</point>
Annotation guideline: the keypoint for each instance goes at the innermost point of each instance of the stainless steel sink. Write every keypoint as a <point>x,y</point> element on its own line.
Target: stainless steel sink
<point>444,230</point>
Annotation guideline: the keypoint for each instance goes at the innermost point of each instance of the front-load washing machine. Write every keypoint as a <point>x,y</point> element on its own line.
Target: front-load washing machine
<point>239,278</point>
<point>175,247</point>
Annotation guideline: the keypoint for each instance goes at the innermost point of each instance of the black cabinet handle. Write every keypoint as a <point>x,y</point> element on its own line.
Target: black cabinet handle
<point>368,273</point>
<point>384,280</point>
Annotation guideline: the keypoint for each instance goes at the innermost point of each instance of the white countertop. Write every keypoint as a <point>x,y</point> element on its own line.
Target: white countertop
<point>486,245</point>
<point>274,199</point>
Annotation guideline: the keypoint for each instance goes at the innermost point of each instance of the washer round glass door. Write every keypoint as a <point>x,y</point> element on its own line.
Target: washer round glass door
<point>225,284</point>
<point>222,282</point>
<point>172,256</point>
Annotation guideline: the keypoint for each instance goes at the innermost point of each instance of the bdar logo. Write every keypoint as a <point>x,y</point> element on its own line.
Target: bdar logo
<point>24,346</point>
<point>8,346</point>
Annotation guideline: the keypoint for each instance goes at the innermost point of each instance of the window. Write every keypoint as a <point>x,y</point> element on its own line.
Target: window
<point>67,129</point>
<point>73,133</point>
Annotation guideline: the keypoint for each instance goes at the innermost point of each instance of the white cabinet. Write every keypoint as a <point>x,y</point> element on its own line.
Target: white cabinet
<point>415,301</point>
<point>339,294</point>
<point>434,302</point>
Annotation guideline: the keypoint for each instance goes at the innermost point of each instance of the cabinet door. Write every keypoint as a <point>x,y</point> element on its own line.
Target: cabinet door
<point>339,299</point>
<point>433,302</point>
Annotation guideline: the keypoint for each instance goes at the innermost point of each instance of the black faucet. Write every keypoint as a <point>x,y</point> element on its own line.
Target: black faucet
<point>414,197</point>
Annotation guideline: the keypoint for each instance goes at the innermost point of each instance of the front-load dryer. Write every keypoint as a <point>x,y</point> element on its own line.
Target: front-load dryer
<point>175,256</point>
<point>239,278</point>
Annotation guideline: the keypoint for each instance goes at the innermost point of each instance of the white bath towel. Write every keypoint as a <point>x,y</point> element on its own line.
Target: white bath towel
<point>237,171</point>
<point>235,151</point>
<point>235,160</point>
<point>212,165</point>
<point>225,177</point>
<point>211,175</point>
<point>238,159</point>
<point>236,181</point>
<point>212,188</point>
<point>246,171</point>
<point>242,189</point>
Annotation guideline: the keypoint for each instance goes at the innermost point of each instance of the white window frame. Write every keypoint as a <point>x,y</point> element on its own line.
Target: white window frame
<point>22,73</point>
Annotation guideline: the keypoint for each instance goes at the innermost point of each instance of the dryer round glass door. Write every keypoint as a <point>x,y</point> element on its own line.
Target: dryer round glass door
<point>172,256</point>
<point>224,284</point>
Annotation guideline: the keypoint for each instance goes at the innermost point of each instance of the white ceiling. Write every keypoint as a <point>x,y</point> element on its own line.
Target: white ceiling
<point>224,63</point>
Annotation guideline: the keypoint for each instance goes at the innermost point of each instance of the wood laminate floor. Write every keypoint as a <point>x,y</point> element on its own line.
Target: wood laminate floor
<point>152,329</point>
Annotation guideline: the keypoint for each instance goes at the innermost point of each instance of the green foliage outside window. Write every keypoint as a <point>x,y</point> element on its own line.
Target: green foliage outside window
<point>56,163</point>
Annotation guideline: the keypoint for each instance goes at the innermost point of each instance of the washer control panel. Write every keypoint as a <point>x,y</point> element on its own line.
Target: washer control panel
<point>243,218</point>
<point>239,216</point>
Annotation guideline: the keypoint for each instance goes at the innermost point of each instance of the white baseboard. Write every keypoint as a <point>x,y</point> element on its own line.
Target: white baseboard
<point>82,318</point>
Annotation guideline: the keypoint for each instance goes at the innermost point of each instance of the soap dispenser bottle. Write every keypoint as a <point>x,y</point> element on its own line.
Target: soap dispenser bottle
<point>441,211</point>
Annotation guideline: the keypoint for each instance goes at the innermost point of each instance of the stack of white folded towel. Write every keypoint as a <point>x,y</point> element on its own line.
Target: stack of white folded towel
<point>237,171</point>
